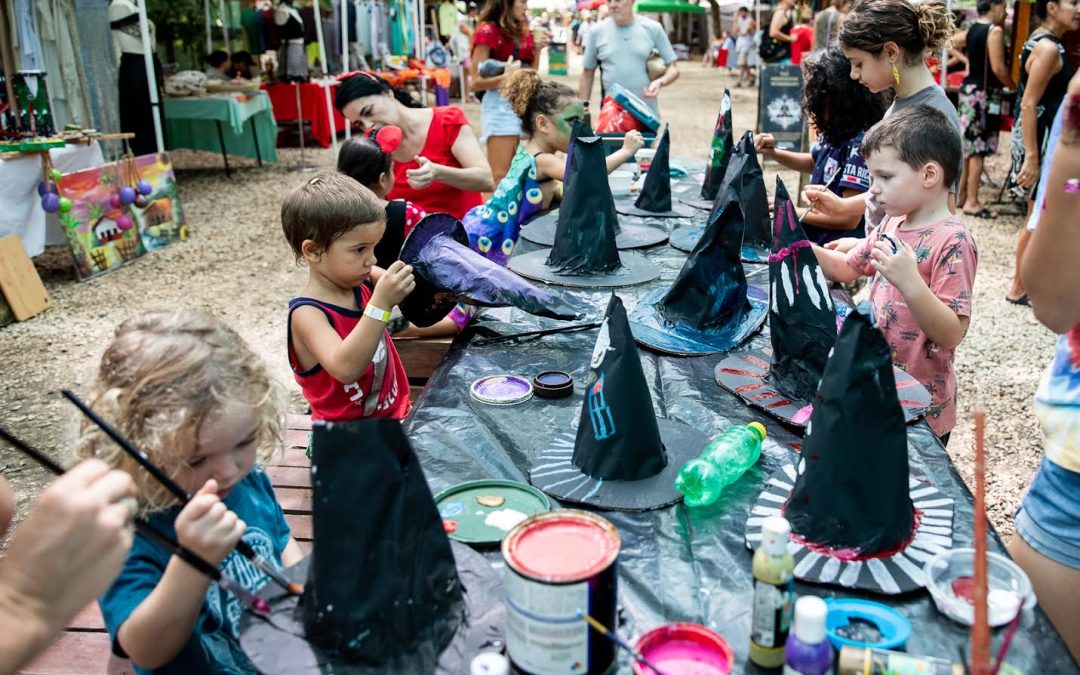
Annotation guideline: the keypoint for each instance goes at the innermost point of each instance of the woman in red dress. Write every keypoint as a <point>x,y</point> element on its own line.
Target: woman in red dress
<point>439,165</point>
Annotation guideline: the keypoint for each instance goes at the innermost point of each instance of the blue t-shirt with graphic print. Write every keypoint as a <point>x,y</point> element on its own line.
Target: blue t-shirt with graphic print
<point>214,645</point>
<point>854,175</point>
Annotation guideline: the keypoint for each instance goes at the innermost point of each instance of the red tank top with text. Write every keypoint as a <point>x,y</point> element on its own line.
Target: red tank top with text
<point>383,389</point>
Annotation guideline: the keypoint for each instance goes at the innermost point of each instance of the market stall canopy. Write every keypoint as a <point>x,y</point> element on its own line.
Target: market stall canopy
<point>662,6</point>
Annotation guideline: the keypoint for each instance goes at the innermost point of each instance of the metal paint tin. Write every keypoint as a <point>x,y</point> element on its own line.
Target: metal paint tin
<point>558,564</point>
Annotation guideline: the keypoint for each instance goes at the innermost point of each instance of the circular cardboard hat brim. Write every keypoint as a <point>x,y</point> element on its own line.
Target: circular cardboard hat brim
<point>687,237</point>
<point>744,374</point>
<point>698,202</point>
<point>900,572</point>
<point>553,472</point>
<point>652,331</point>
<point>635,269</point>
<point>627,208</point>
<point>277,644</point>
<point>631,235</point>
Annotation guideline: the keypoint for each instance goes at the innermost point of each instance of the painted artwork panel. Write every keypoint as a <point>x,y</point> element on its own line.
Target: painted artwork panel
<point>104,234</point>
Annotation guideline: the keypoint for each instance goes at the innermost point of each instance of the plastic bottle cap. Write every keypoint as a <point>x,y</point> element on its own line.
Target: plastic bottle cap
<point>489,663</point>
<point>810,613</point>
<point>774,534</point>
<point>759,428</point>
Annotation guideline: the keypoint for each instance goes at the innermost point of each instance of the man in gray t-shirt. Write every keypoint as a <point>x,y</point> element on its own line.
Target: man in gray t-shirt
<point>620,45</point>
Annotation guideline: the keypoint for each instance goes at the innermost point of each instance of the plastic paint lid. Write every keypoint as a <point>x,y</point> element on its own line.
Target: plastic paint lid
<point>501,390</point>
<point>848,618</point>
<point>775,532</point>
<point>759,428</point>
<point>561,546</point>
<point>485,510</point>
<point>489,663</point>
<point>810,613</point>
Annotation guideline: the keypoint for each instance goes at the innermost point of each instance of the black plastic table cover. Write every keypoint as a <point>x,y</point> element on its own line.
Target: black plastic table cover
<point>675,564</point>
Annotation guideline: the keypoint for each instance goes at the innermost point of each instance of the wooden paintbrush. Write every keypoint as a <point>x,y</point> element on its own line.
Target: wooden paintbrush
<point>226,582</point>
<point>619,642</point>
<point>980,629</point>
<point>828,183</point>
<point>242,547</point>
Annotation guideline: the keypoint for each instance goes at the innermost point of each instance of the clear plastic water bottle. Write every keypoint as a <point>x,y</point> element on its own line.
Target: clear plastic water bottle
<point>722,462</point>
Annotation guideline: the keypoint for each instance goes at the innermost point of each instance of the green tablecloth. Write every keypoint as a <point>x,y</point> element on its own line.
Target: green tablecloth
<point>193,124</point>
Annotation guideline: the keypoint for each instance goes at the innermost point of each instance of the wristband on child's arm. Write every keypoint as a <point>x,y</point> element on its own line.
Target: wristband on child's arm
<point>377,313</point>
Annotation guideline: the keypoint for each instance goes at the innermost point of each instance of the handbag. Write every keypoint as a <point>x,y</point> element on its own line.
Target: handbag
<point>770,50</point>
<point>655,66</point>
<point>491,68</point>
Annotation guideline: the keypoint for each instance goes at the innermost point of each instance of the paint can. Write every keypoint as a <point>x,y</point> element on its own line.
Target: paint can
<point>559,564</point>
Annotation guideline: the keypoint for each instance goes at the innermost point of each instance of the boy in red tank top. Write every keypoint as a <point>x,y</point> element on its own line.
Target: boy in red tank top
<point>339,349</point>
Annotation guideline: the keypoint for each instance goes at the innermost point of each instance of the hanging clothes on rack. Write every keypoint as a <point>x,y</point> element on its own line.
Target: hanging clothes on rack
<point>136,111</point>
<point>290,30</point>
<point>63,63</point>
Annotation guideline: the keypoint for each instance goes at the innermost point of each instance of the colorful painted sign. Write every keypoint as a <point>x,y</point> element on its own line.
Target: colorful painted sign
<point>105,233</point>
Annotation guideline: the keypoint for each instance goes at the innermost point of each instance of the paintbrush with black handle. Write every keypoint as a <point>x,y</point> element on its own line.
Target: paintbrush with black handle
<point>226,582</point>
<point>242,547</point>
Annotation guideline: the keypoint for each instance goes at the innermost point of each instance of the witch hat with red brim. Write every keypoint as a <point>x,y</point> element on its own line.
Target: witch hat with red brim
<point>858,518</point>
<point>802,328</point>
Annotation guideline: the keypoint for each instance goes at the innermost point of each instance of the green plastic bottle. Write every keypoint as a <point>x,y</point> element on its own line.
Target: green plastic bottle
<point>773,569</point>
<point>722,462</point>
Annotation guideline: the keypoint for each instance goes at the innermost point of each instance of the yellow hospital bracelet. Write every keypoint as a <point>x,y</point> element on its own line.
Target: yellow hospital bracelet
<point>377,313</point>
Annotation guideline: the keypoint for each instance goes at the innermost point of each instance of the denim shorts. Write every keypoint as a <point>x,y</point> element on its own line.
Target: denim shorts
<point>1049,516</point>
<point>496,117</point>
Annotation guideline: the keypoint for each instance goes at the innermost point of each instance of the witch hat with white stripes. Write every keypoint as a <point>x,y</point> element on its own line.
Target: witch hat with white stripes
<point>858,518</point>
<point>622,457</point>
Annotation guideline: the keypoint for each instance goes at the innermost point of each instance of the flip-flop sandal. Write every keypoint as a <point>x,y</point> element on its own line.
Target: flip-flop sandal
<point>985,213</point>
<point>1022,300</point>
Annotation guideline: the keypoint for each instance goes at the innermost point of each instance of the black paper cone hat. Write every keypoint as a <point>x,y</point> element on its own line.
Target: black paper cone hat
<point>385,590</point>
<point>709,308</point>
<point>622,457</point>
<point>719,156</point>
<point>854,509</point>
<point>745,173</point>
<point>584,252</point>
<point>802,329</point>
<point>447,271</point>
<point>654,200</point>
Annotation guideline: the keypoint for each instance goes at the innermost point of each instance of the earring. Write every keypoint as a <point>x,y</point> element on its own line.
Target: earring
<point>896,74</point>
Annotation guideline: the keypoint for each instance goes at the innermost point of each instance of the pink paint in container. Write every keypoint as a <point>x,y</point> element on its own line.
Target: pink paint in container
<point>684,649</point>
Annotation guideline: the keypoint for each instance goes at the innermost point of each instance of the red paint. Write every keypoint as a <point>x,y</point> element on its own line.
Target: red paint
<point>964,588</point>
<point>764,395</point>
<point>449,525</point>
<point>757,361</point>
<point>561,547</point>
<point>749,387</point>
<point>779,404</point>
<point>741,373</point>
<point>853,554</point>
<point>684,649</point>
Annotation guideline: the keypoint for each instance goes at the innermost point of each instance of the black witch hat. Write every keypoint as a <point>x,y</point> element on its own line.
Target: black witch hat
<point>447,271</point>
<point>709,308</point>
<point>802,329</point>
<point>543,229</point>
<point>385,590</point>
<point>719,156</point>
<point>585,252</point>
<point>851,506</point>
<point>745,173</point>
<point>654,200</point>
<point>622,457</point>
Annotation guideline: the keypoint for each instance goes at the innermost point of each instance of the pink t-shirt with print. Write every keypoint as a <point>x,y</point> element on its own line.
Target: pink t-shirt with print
<point>947,259</point>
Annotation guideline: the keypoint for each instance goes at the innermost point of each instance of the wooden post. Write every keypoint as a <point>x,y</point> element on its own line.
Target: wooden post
<point>980,629</point>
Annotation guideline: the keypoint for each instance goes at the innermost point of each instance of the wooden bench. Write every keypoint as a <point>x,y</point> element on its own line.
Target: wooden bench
<point>84,648</point>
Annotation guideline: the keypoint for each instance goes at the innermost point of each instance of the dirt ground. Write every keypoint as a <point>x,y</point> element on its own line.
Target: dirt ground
<point>237,266</point>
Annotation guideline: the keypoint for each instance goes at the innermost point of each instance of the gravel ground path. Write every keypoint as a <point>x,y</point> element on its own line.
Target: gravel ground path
<point>237,266</point>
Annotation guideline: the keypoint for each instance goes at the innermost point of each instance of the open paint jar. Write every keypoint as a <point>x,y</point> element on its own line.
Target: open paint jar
<point>950,578</point>
<point>553,384</point>
<point>560,564</point>
<point>621,183</point>
<point>684,648</point>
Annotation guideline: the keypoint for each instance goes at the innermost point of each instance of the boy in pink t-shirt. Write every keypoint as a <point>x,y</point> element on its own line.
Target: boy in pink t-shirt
<point>922,258</point>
